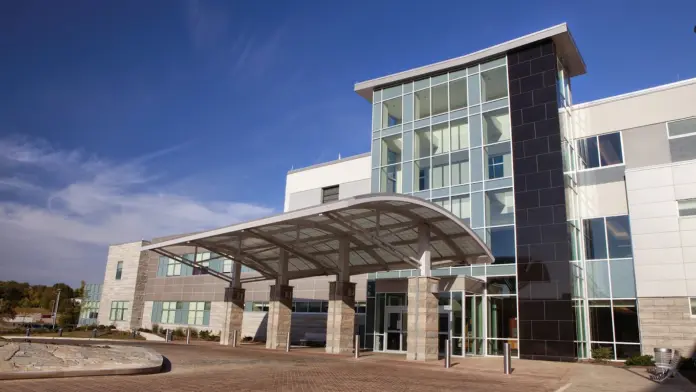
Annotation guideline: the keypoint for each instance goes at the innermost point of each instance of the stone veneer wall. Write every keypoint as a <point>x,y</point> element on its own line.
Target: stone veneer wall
<point>667,322</point>
<point>125,288</point>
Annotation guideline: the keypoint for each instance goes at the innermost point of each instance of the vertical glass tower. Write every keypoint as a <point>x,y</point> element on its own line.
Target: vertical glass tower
<point>480,136</point>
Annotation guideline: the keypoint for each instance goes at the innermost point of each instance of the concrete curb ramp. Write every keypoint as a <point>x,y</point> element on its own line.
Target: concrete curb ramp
<point>18,361</point>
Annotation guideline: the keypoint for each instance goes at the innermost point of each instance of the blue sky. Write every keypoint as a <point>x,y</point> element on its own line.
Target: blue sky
<point>127,120</point>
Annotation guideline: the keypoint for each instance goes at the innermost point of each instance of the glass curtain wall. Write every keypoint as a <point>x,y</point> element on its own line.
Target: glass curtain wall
<point>447,139</point>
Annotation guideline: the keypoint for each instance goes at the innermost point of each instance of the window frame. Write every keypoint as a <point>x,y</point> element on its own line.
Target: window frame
<point>679,210</point>
<point>692,306</point>
<point>175,267</point>
<point>330,198</point>
<point>119,270</point>
<point>118,311</point>
<point>691,134</point>
<point>581,162</point>
<point>493,166</point>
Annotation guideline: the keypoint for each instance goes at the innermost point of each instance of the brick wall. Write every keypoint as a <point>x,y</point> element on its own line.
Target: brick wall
<point>667,322</point>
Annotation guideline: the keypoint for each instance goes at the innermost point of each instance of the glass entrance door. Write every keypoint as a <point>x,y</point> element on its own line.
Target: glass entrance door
<point>396,328</point>
<point>473,324</point>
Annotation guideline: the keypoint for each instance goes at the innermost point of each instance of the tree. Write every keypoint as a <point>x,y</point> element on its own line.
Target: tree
<point>6,310</point>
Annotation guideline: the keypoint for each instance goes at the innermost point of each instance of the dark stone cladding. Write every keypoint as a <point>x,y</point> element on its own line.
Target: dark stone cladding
<point>546,316</point>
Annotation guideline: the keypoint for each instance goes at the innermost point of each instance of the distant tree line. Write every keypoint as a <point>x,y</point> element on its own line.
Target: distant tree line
<point>15,296</point>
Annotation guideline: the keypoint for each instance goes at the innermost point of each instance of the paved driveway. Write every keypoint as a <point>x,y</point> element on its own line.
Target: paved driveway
<point>210,367</point>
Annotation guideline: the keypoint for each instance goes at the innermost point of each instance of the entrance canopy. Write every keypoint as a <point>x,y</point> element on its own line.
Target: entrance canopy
<point>380,232</point>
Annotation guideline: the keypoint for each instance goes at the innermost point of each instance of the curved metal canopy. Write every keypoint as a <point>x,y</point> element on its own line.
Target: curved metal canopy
<point>382,230</point>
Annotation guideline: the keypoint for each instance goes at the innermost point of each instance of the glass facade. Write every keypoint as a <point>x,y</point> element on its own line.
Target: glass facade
<point>446,138</point>
<point>604,288</point>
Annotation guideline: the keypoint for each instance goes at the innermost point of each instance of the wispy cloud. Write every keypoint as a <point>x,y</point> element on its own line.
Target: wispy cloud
<point>225,41</point>
<point>88,204</point>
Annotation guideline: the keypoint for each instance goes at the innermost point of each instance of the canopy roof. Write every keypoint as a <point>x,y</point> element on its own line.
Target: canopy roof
<point>382,230</point>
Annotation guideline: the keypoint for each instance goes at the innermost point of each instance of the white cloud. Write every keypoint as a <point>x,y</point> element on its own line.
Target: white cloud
<point>90,204</point>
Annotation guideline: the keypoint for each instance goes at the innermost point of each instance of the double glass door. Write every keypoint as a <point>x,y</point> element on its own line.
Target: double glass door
<point>396,317</point>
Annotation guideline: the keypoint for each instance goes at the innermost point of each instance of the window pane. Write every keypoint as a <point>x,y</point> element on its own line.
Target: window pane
<point>623,281</point>
<point>376,117</point>
<point>498,161</point>
<point>440,138</point>
<point>494,84</point>
<point>502,317</point>
<point>443,202</point>
<point>496,126</point>
<point>391,179</point>
<point>626,322</point>
<point>392,112</point>
<point>459,132</point>
<point>422,104</point>
<point>421,145</point>
<point>693,306</point>
<point>461,207</point>
<point>421,178</point>
<point>439,99</point>
<point>597,279</point>
<point>595,240</point>
<point>499,208</point>
<point>391,150</point>
<point>501,240</point>
<point>501,286</point>
<point>625,351</point>
<point>682,127</point>
<point>589,156</point>
<point>683,148</point>
<point>619,236</point>
<point>600,321</point>
<point>610,149</point>
<point>458,94</point>
<point>687,207</point>
<point>460,168</point>
<point>474,90</point>
<point>440,171</point>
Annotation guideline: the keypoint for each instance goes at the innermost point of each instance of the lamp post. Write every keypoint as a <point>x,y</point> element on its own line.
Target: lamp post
<point>55,309</point>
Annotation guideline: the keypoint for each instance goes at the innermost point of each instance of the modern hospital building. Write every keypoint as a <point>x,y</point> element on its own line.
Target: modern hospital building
<point>490,209</point>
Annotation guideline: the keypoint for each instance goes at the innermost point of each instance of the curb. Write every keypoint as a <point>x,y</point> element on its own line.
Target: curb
<point>82,373</point>
<point>155,366</point>
<point>48,338</point>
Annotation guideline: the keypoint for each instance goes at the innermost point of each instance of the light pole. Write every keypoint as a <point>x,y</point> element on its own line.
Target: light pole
<point>55,309</point>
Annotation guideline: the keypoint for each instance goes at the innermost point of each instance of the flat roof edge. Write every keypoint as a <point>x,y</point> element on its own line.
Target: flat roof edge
<point>318,165</point>
<point>365,88</point>
<point>636,93</point>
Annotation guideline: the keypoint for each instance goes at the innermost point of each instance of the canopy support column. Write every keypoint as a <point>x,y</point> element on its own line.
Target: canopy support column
<point>340,320</point>
<point>234,298</point>
<point>423,296</point>
<point>280,307</point>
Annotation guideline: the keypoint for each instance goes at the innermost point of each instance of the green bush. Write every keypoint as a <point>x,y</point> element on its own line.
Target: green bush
<point>204,335</point>
<point>179,333</point>
<point>194,333</point>
<point>247,339</point>
<point>144,330</point>
<point>602,354</point>
<point>640,360</point>
<point>155,328</point>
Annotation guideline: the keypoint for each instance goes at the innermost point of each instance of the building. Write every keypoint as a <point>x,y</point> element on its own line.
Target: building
<point>89,304</point>
<point>588,210</point>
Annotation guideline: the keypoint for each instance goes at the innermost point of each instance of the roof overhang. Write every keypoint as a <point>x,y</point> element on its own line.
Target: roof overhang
<point>565,47</point>
<point>382,230</point>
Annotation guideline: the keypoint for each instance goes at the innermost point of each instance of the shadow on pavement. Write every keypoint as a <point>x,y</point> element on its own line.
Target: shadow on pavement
<point>166,365</point>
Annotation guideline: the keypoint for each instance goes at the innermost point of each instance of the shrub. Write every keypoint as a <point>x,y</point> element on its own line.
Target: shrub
<point>204,334</point>
<point>640,360</point>
<point>179,333</point>
<point>602,354</point>
<point>112,326</point>
<point>247,339</point>
<point>101,327</point>
<point>144,330</point>
<point>155,328</point>
<point>194,333</point>
<point>214,338</point>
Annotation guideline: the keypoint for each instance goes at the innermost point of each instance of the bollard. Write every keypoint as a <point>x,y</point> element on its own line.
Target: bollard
<point>28,333</point>
<point>507,364</point>
<point>188,335</point>
<point>60,332</point>
<point>287,344</point>
<point>135,333</point>
<point>357,346</point>
<point>94,333</point>
<point>448,353</point>
<point>234,338</point>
